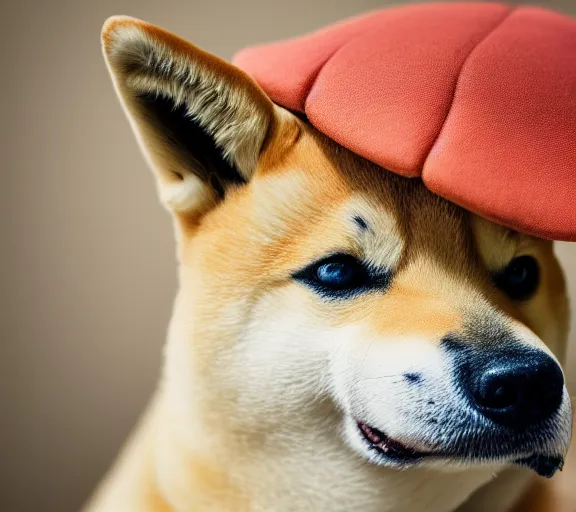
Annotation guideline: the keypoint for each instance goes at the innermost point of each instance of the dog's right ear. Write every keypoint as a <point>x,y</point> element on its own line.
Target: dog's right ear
<point>200,121</point>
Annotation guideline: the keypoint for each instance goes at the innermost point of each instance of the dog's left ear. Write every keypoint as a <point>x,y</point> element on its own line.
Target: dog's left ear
<point>201,121</point>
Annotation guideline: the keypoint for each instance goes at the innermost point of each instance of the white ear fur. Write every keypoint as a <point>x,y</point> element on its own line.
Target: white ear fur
<point>200,121</point>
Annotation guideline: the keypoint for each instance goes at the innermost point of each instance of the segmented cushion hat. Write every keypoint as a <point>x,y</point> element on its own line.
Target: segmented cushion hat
<point>476,99</point>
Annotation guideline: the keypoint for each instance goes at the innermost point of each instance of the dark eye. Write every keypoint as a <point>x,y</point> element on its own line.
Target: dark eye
<point>520,278</point>
<point>339,273</point>
<point>336,275</point>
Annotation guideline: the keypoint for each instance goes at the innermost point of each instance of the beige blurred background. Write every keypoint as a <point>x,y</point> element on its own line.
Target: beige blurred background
<point>87,258</point>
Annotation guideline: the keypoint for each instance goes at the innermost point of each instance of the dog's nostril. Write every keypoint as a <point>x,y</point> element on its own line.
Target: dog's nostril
<point>518,391</point>
<point>497,391</point>
<point>503,397</point>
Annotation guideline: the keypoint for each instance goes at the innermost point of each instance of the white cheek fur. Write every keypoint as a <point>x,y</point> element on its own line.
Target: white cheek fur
<point>286,357</point>
<point>372,378</point>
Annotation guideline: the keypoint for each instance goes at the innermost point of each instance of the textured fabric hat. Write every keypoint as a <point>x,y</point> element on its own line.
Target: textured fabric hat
<point>477,99</point>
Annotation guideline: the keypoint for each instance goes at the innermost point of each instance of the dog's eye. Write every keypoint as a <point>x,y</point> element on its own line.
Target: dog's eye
<point>336,275</point>
<point>520,278</point>
<point>339,273</point>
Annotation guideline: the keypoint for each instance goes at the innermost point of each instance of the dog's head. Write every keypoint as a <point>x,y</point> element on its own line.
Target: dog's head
<point>322,294</point>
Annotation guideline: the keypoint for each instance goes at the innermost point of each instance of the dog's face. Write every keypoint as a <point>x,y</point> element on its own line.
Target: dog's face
<point>324,296</point>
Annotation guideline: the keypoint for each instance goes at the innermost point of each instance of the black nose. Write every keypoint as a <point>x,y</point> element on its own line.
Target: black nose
<point>518,391</point>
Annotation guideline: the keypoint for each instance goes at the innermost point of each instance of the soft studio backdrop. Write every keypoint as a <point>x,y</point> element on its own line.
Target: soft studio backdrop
<point>87,259</point>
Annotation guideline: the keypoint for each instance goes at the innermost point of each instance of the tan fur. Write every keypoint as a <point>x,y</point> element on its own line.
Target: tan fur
<point>234,427</point>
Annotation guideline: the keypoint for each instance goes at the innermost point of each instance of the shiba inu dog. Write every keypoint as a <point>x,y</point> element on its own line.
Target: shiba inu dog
<point>342,339</point>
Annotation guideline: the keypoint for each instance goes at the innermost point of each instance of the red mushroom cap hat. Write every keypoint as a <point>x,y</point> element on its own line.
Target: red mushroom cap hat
<point>476,99</point>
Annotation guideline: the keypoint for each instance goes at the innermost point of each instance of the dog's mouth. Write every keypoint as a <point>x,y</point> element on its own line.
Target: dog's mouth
<point>397,453</point>
<point>389,448</point>
<point>543,465</point>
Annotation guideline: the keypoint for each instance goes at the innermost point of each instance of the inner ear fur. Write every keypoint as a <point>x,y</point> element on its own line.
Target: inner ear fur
<point>200,121</point>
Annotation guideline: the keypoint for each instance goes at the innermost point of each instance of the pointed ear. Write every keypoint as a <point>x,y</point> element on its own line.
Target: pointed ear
<point>200,121</point>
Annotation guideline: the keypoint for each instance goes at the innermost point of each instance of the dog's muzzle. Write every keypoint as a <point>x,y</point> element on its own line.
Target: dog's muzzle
<point>517,395</point>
